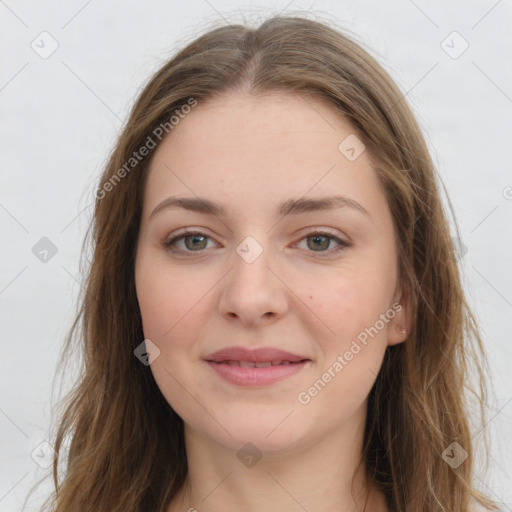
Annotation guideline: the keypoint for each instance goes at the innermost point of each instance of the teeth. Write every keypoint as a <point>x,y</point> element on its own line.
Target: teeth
<point>247,364</point>
<point>263,365</point>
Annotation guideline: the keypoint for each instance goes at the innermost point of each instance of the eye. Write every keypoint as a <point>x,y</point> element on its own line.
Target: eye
<point>194,241</point>
<point>320,241</point>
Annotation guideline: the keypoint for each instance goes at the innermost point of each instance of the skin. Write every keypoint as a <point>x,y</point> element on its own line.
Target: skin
<point>249,154</point>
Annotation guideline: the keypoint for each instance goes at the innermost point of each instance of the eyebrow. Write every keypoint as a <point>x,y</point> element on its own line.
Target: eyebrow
<point>289,207</point>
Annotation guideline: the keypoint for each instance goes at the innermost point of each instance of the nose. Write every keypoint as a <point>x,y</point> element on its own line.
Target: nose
<point>254,293</point>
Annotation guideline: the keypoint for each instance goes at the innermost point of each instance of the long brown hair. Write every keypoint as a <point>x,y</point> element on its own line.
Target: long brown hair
<point>126,444</point>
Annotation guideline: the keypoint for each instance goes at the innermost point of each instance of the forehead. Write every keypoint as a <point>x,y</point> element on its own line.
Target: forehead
<point>261,150</point>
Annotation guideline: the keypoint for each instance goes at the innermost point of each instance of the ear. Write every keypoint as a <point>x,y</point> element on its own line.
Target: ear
<point>399,327</point>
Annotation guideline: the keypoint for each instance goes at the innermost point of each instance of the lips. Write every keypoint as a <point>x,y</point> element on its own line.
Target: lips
<point>258,357</point>
<point>256,367</point>
<point>253,364</point>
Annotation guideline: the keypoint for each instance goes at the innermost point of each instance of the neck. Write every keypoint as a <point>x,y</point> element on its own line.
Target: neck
<point>322,475</point>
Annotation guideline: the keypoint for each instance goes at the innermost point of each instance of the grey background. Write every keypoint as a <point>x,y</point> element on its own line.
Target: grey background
<point>61,115</point>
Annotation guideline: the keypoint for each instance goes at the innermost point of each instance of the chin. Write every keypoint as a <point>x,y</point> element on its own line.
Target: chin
<point>258,441</point>
<point>268,434</point>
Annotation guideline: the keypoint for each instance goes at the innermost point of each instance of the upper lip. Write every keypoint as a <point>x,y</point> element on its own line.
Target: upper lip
<point>257,355</point>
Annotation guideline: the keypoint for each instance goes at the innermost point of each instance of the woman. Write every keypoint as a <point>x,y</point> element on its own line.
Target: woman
<point>273,317</point>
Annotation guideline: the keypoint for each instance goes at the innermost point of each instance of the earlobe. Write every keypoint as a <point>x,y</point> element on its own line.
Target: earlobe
<point>400,326</point>
<point>397,333</point>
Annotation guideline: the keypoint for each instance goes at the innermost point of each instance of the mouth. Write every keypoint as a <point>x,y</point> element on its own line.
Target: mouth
<point>243,356</point>
<point>258,367</point>
<point>258,364</point>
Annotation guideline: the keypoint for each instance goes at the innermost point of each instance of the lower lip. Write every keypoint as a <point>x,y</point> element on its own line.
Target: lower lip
<point>252,376</point>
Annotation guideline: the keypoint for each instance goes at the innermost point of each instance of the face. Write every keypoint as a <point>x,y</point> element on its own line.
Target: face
<point>317,280</point>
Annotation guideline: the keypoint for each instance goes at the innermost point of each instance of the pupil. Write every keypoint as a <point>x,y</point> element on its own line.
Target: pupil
<point>194,238</point>
<point>320,237</point>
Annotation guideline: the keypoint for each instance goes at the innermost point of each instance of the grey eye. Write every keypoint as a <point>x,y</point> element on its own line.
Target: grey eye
<point>197,242</point>
<point>319,242</point>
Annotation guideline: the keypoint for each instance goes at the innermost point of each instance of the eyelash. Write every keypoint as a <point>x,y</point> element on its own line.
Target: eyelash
<point>320,254</point>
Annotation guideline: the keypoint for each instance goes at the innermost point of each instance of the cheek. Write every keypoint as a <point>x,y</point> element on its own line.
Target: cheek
<point>167,300</point>
<point>158,306</point>
<point>357,310</point>
<point>173,309</point>
<point>352,357</point>
<point>351,301</point>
